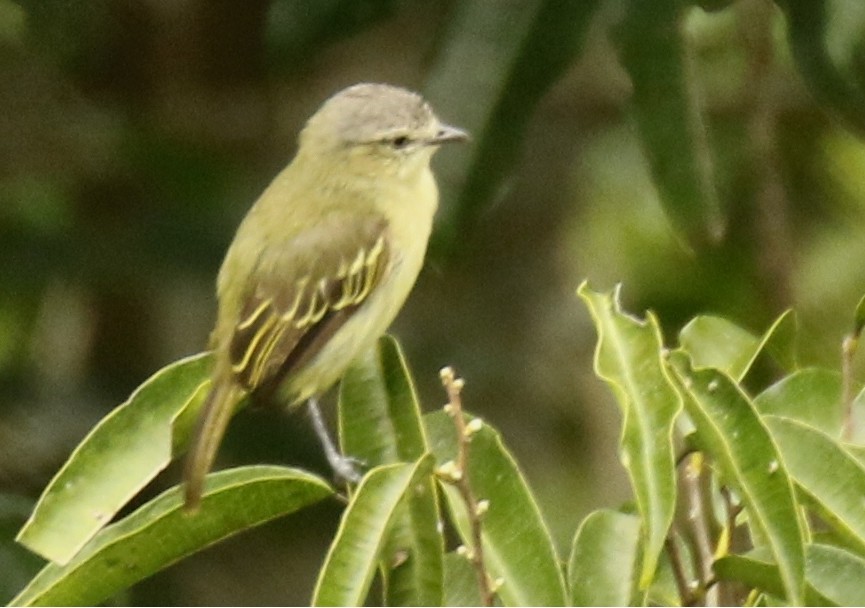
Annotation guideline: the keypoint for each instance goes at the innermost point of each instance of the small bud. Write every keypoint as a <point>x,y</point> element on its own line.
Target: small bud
<point>465,552</point>
<point>449,471</point>
<point>458,384</point>
<point>449,409</point>
<point>399,558</point>
<point>498,583</point>
<point>482,508</point>
<point>447,374</point>
<point>474,426</point>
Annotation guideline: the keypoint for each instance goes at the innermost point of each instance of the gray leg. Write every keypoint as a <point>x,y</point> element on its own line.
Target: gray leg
<point>344,467</point>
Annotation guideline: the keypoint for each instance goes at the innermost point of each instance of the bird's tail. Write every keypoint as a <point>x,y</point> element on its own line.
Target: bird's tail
<point>212,422</point>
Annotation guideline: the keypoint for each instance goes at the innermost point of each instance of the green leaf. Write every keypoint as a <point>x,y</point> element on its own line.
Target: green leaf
<point>756,571</point>
<point>351,562</point>
<point>811,396</point>
<point>837,575</point>
<point>461,584</point>
<point>721,344</point>
<point>827,473</point>
<point>628,358</point>
<point>602,570</point>
<point>379,414</point>
<point>161,532</point>
<point>665,107</point>
<point>834,576</point>
<point>380,423</point>
<point>117,458</point>
<point>517,544</point>
<point>731,432</point>
<point>495,66</point>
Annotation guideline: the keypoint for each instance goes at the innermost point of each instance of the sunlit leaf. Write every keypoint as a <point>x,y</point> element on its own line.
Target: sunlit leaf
<point>379,414</point>
<point>380,423</point>
<point>834,576</point>
<point>812,396</point>
<point>354,554</point>
<point>721,344</point>
<point>602,570</point>
<point>628,358</point>
<point>161,532</point>
<point>517,544</point>
<point>731,432</point>
<point>826,472</point>
<point>461,583</point>
<point>756,571</point>
<point>117,458</point>
<point>837,574</point>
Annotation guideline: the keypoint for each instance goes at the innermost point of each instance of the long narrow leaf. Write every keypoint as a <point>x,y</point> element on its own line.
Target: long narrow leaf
<point>160,533</point>
<point>628,358</point>
<point>730,430</point>
<point>811,396</point>
<point>351,562</point>
<point>380,423</point>
<point>827,473</point>
<point>119,457</point>
<point>461,586</point>
<point>836,574</point>
<point>602,570</point>
<point>756,571</point>
<point>379,414</point>
<point>721,344</point>
<point>517,544</point>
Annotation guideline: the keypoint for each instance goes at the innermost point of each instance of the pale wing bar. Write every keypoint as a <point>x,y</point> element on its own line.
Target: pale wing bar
<point>266,336</point>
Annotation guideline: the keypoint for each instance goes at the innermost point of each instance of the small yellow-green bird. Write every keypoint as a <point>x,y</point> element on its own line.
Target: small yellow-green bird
<point>323,261</point>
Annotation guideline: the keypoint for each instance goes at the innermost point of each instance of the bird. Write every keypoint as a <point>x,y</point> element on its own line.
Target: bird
<point>322,262</point>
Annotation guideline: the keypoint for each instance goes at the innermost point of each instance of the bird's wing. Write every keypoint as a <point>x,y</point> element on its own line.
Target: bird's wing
<point>303,291</point>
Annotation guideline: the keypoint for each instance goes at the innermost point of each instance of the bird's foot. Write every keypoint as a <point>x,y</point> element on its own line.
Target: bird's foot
<point>346,468</point>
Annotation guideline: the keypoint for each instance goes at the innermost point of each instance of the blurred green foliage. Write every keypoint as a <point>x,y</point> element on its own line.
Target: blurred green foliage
<point>133,136</point>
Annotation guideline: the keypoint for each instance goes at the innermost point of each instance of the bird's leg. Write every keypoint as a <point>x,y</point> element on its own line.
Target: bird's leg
<point>345,467</point>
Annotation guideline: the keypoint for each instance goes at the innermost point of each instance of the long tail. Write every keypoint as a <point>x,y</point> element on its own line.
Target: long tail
<point>212,422</point>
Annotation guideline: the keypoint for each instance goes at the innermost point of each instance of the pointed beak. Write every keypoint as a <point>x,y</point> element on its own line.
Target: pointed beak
<point>447,134</point>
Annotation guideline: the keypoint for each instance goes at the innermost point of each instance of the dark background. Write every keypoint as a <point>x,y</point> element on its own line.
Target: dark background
<point>135,135</point>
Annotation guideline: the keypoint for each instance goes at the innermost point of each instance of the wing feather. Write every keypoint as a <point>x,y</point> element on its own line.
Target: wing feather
<point>289,313</point>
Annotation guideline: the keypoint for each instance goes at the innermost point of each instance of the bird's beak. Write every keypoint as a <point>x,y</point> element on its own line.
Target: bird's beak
<point>447,134</point>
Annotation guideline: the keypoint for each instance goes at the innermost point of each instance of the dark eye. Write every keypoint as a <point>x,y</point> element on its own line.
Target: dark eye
<point>399,142</point>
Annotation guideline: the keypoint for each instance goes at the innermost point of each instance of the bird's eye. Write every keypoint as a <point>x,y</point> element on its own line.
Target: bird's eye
<point>399,142</point>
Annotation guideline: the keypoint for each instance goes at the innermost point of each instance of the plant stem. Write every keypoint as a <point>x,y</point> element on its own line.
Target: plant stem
<point>459,478</point>
<point>694,474</point>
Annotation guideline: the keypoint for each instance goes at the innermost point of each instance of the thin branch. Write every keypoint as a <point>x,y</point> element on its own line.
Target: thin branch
<point>693,475</point>
<point>457,474</point>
